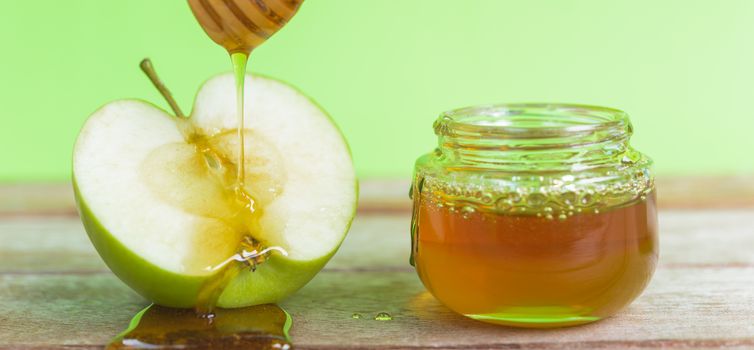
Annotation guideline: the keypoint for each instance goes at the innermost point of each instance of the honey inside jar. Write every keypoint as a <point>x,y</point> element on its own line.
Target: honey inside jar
<point>534,243</point>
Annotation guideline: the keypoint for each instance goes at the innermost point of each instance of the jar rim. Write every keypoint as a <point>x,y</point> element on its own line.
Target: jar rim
<point>531,121</point>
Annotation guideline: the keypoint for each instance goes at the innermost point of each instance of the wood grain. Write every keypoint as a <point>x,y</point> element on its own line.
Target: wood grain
<point>384,196</point>
<point>87,309</point>
<point>56,293</point>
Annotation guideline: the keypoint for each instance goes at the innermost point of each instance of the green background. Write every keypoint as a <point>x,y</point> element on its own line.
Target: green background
<point>384,69</point>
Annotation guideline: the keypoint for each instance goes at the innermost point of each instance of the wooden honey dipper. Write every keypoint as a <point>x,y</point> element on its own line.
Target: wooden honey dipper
<point>241,25</point>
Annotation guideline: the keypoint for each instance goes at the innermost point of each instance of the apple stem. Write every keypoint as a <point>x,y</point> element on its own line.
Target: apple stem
<point>148,69</point>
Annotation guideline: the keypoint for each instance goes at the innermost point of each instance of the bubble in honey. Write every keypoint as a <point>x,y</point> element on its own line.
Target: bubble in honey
<point>487,198</point>
<point>587,199</point>
<point>514,197</point>
<point>551,198</point>
<point>502,204</point>
<point>536,199</point>
<point>569,197</point>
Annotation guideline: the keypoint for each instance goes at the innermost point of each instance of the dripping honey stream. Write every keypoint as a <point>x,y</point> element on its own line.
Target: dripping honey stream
<point>238,26</point>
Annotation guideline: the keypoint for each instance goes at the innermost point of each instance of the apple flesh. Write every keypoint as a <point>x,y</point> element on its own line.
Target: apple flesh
<point>150,200</point>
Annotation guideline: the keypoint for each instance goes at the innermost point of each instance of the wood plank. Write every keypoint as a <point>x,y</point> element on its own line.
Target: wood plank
<point>706,238</point>
<point>706,192</point>
<point>672,309</point>
<point>46,245</point>
<point>66,310</point>
<point>380,196</point>
<point>56,293</point>
<point>62,310</point>
<point>51,199</point>
<point>688,238</point>
<point>59,244</point>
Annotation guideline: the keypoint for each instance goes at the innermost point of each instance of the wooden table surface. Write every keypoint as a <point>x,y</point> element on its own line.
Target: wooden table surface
<point>55,292</point>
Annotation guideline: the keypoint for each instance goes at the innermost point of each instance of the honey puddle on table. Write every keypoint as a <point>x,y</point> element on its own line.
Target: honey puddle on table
<point>255,327</point>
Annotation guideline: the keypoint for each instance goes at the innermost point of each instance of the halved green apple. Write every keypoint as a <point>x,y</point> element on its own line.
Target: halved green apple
<point>148,193</point>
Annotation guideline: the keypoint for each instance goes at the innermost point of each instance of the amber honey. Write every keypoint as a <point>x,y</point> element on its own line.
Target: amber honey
<point>534,215</point>
<point>529,268</point>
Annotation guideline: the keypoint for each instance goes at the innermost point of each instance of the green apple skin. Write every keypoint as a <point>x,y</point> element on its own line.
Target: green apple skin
<point>272,282</point>
<point>277,278</point>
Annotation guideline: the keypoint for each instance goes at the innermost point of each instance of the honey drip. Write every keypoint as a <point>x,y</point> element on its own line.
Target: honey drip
<point>240,26</point>
<point>217,186</point>
<point>208,188</point>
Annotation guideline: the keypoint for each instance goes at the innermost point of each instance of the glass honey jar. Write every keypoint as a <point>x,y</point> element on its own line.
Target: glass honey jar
<point>534,215</point>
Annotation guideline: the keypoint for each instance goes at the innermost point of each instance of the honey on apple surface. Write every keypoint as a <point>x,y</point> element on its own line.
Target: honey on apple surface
<point>239,26</point>
<point>219,183</point>
<point>227,224</point>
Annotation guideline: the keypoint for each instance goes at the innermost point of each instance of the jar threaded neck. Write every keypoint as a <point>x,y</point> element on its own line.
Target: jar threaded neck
<point>534,135</point>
